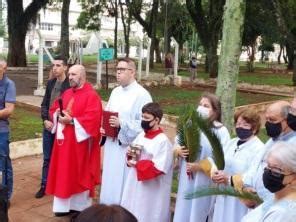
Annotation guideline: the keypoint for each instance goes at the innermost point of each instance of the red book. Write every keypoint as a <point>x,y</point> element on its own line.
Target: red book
<point>109,130</point>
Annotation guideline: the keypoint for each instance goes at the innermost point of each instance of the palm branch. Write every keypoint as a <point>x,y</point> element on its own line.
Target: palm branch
<point>225,190</point>
<point>217,149</point>
<point>189,134</point>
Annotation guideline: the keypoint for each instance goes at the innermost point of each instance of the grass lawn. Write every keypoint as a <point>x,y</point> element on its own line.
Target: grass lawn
<point>173,99</point>
<point>25,124</point>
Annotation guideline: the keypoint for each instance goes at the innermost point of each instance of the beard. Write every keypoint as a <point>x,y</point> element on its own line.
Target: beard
<point>75,84</point>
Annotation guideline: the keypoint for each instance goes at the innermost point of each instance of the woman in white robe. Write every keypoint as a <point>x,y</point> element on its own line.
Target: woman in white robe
<point>239,153</point>
<point>279,177</point>
<point>197,210</point>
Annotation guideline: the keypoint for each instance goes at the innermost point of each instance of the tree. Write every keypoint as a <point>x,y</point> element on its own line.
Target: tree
<point>229,60</point>
<point>149,24</point>
<point>126,19</point>
<point>285,17</point>
<point>18,20</point>
<point>207,18</point>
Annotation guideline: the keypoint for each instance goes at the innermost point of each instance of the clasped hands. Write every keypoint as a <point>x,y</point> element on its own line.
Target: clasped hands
<point>66,119</point>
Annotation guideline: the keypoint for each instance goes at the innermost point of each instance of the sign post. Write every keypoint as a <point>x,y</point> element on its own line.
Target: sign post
<point>106,54</point>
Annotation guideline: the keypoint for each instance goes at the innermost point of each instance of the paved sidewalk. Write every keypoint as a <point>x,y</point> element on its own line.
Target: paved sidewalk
<point>24,206</point>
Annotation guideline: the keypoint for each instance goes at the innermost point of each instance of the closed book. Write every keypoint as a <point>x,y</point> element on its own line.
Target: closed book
<point>109,130</point>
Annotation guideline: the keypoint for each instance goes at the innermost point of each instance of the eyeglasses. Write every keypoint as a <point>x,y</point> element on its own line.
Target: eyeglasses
<point>119,69</point>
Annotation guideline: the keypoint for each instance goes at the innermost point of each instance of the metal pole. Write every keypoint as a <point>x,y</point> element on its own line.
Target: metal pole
<point>99,65</point>
<point>148,57</point>
<point>140,61</point>
<point>40,88</point>
<point>107,77</point>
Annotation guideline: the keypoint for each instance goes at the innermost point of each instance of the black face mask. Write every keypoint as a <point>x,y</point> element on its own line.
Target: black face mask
<point>291,121</point>
<point>273,181</point>
<point>273,130</point>
<point>243,133</point>
<point>146,124</point>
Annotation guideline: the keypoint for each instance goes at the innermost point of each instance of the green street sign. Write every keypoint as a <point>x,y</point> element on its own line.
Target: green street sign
<point>106,54</point>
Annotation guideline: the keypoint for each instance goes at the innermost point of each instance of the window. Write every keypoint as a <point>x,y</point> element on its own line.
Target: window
<point>46,26</point>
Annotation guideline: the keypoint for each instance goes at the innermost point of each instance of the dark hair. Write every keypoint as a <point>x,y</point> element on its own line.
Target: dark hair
<point>153,109</point>
<point>104,213</point>
<point>128,60</point>
<point>58,57</point>
<point>216,105</point>
<point>251,116</point>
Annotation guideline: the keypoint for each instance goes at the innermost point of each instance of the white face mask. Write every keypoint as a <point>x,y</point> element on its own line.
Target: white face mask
<point>203,111</point>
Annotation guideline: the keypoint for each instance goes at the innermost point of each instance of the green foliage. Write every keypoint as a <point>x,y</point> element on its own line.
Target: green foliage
<point>89,18</point>
<point>216,146</point>
<point>223,190</point>
<point>188,133</point>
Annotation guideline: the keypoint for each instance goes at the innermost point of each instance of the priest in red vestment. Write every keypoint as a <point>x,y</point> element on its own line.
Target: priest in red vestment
<point>75,166</point>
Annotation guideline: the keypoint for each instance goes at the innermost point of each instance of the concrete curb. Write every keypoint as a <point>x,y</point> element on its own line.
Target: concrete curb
<point>25,148</point>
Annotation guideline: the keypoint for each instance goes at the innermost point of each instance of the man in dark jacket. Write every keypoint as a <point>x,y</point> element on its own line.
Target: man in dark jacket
<point>55,87</point>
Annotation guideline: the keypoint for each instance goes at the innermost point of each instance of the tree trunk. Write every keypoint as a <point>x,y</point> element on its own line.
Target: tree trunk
<point>285,56</point>
<point>290,55</point>
<point>294,69</point>
<point>212,59</point>
<point>18,22</point>
<point>229,59</point>
<point>252,57</point>
<point>157,51</point>
<point>153,30</point>
<point>16,49</point>
<point>64,41</point>
<point>280,53</point>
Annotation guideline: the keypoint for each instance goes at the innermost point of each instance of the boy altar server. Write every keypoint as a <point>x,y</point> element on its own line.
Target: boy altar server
<point>147,190</point>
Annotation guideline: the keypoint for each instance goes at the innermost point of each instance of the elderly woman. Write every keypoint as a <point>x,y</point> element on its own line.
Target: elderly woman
<point>239,153</point>
<point>279,177</point>
<point>197,210</point>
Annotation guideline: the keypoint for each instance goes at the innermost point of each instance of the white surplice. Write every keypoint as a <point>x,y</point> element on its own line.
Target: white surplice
<point>198,209</point>
<point>237,161</point>
<point>128,102</point>
<point>149,200</point>
<point>273,211</point>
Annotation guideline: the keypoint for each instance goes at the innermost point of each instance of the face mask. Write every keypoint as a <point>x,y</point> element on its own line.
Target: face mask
<point>146,124</point>
<point>203,111</point>
<point>291,120</point>
<point>273,181</point>
<point>273,130</point>
<point>243,133</point>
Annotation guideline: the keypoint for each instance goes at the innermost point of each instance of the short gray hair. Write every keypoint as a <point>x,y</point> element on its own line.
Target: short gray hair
<point>285,153</point>
<point>285,111</point>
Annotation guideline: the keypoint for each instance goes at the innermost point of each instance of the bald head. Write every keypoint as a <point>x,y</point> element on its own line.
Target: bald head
<point>279,108</point>
<point>77,76</point>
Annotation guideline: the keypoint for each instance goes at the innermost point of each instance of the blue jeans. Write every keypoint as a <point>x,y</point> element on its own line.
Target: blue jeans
<point>48,139</point>
<point>4,152</point>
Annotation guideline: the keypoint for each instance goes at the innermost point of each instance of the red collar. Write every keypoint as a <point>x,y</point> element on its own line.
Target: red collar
<point>150,134</point>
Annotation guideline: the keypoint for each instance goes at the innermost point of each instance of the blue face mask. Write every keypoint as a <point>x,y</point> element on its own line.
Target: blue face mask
<point>243,133</point>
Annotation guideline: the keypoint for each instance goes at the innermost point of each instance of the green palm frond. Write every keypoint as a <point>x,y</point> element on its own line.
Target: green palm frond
<point>189,134</point>
<point>217,149</point>
<point>225,190</point>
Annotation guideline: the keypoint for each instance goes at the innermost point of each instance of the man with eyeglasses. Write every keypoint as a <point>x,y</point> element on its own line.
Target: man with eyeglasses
<point>127,101</point>
<point>278,130</point>
<point>54,88</point>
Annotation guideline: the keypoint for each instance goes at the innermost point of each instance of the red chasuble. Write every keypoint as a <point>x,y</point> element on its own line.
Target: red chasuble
<point>75,166</point>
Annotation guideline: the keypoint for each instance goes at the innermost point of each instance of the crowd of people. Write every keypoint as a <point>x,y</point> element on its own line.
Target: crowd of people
<point>138,159</point>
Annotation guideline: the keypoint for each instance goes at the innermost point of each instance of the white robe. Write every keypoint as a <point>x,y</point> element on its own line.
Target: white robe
<point>253,176</point>
<point>273,211</point>
<point>198,209</point>
<point>150,200</point>
<point>128,102</point>
<point>237,160</point>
